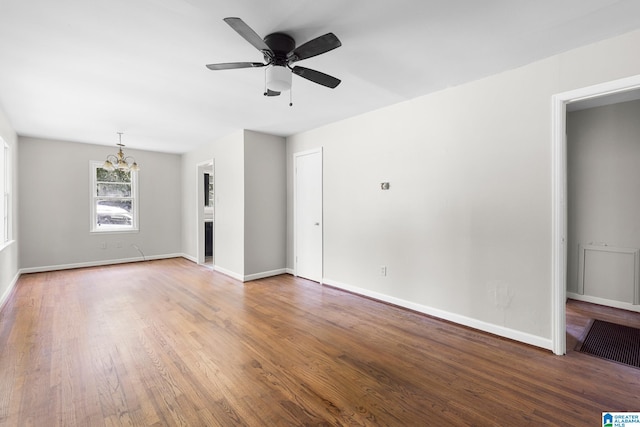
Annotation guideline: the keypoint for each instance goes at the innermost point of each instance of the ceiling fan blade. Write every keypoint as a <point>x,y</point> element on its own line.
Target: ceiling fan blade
<point>270,92</point>
<point>248,34</point>
<point>234,65</point>
<point>314,47</point>
<point>316,77</point>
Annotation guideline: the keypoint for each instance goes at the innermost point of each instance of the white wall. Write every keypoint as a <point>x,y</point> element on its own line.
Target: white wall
<point>265,207</point>
<point>9,254</point>
<point>465,230</point>
<point>54,206</point>
<point>228,155</point>
<point>250,203</point>
<point>603,146</point>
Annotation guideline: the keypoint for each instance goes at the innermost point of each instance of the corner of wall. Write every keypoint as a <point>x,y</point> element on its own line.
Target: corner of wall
<point>9,255</point>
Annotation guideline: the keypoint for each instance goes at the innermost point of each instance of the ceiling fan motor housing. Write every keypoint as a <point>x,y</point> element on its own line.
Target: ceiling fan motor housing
<point>281,44</point>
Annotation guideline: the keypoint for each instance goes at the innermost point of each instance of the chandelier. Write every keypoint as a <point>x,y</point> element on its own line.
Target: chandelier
<point>120,161</point>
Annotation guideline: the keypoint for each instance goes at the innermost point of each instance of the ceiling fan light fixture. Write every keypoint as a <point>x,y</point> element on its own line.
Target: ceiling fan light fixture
<point>278,78</point>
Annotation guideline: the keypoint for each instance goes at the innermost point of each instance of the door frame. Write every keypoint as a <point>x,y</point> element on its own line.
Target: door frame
<point>295,211</point>
<point>201,169</point>
<point>559,194</point>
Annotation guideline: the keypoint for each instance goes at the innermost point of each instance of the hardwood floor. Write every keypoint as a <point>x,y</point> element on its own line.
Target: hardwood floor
<point>170,343</point>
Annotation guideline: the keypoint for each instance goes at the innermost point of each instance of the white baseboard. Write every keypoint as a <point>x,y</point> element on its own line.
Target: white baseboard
<point>229,273</point>
<point>240,277</point>
<point>264,274</point>
<point>604,301</point>
<point>290,271</point>
<point>7,293</point>
<point>491,328</point>
<point>190,258</point>
<point>95,263</point>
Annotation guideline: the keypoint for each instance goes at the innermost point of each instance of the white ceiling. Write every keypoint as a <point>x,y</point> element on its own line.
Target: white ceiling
<point>82,70</point>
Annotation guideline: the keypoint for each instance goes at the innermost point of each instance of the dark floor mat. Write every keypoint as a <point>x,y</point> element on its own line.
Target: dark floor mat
<point>613,342</point>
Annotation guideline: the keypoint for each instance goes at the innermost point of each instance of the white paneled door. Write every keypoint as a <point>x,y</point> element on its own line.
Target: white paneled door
<point>308,214</point>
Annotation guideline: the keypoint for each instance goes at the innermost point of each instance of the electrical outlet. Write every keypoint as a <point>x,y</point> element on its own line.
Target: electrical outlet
<point>383,270</point>
<point>103,245</point>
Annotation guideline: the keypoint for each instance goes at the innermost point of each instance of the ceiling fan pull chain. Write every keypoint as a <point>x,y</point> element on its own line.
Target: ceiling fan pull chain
<point>265,81</point>
<point>291,95</point>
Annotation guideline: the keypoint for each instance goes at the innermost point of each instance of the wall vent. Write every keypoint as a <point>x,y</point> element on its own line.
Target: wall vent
<point>610,273</point>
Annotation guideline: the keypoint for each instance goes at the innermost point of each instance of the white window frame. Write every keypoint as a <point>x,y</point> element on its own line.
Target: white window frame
<point>105,228</point>
<point>5,186</point>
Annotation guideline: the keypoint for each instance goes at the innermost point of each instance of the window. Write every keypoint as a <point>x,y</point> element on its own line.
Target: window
<point>5,186</point>
<point>114,202</point>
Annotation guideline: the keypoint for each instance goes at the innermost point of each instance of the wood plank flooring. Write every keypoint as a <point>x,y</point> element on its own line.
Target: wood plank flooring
<point>169,343</point>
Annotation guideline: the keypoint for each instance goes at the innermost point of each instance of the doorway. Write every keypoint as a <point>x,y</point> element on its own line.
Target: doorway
<point>205,208</point>
<point>560,101</point>
<point>308,224</point>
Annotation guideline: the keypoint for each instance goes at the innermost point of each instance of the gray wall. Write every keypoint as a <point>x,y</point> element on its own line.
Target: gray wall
<point>603,152</point>
<point>265,203</point>
<point>9,254</point>
<point>54,206</point>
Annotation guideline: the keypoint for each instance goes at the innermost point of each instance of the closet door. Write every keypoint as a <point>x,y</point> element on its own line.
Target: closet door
<point>308,214</point>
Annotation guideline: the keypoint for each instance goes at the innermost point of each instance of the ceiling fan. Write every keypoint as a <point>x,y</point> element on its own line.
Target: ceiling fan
<point>280,52</point>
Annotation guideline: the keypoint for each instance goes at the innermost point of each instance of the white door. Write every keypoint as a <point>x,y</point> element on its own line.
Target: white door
<point>308,214</point>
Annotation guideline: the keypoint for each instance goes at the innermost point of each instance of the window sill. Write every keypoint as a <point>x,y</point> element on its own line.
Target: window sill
<point>115,231</point>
